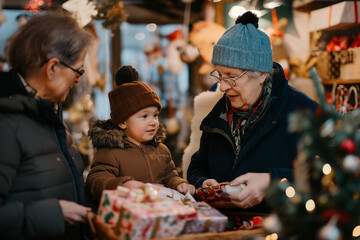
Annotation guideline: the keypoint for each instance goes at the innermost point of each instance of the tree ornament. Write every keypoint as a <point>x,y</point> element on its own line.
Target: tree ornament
<point>272,223</point>
<point>348,146</point>
<point>351,163</point>
<point>328,128</point>
<point>172,126</point>
<point>330,231</point>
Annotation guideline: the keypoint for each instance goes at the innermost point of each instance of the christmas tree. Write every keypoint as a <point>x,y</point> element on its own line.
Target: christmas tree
<point>323,202</point>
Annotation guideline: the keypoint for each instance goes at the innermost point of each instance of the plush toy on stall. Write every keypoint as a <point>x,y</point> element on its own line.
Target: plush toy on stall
<point>153,51</point>
<point>276,38</point>
<point>174,66</point>
<point>173,51</point>
<point>204,35</point>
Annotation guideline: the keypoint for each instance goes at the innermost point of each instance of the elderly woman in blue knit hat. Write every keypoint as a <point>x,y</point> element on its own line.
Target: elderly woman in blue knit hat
<point>244,137</point>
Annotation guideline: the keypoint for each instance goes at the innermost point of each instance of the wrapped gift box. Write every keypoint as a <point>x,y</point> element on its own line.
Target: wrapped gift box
<point>208,219</point>
<point>335,16</point>
<point>350,67</point>
<point>110,205</point>
<point>112,201</point>
<point>153,220</point>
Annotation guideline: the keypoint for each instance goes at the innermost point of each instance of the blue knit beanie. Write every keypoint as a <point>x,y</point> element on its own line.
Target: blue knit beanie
<point>244,46</point>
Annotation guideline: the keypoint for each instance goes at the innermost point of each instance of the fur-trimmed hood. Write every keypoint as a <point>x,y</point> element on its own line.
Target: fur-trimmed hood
<point>104,134</point>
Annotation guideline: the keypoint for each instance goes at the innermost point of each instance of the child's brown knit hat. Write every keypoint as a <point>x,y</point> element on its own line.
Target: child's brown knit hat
<point>129,98</point>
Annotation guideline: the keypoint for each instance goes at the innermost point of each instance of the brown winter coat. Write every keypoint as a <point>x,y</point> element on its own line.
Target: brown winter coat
<point>118,160</point>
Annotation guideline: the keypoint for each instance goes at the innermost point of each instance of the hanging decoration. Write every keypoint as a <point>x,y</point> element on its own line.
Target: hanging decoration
<point>82,10</point>
<point>275,34</point>
<point>153,50</point>
<point>176,43</point>
<point>112,13</point>
<point>38,5</point>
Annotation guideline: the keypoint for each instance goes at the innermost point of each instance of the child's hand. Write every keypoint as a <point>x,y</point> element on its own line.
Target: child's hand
<point>133,184</point>
<point>184,188</point>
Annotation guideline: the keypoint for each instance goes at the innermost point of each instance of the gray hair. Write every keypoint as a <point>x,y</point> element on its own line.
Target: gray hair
<point>44,36</point>
<point>257,74</point>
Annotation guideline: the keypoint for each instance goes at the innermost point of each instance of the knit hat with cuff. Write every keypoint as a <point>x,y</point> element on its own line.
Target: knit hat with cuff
<point>244,46</point>
<point>129,98</point>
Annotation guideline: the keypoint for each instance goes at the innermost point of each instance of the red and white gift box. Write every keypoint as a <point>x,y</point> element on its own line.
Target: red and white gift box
<point>153,220</point>
<point>143,213</point>
<point>111,203</point>
<point>335,16</point>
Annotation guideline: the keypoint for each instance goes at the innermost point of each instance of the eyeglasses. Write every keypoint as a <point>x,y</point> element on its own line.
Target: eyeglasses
<point>78,72</point>
<point>229,81</point>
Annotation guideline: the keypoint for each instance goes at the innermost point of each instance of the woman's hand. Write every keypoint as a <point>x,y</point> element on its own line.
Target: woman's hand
<point>73,212</point>
<point>184,188</point>
<point>210,182</point>
<point>254,191</point>
<point>133,184</point>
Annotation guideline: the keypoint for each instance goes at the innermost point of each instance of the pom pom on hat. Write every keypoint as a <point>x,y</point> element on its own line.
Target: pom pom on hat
<point>130,95</point>
<point>126,74</point>
<point>244,46</point>
<point>247,18</point>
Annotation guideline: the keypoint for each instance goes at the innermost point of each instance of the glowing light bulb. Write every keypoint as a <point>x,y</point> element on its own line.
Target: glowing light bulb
<point>290,192</point>
<point>326,169</point>
<point>310,205</point>
<point>151,27</point>
<point>356,231</point>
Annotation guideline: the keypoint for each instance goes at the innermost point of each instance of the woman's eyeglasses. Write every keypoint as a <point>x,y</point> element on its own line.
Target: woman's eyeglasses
<point>229,81</point>
<point>78,72</point>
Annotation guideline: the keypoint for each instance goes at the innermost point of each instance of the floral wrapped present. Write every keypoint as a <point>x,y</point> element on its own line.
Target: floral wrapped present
<point>153,220</point>
<point>208,219</point>
<point>112,201</point>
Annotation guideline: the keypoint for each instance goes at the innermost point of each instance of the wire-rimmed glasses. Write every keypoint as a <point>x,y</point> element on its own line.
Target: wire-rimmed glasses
<point>229,81</point>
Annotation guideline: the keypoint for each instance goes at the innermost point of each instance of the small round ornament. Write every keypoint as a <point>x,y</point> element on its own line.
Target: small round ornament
<point>348,146</point>
<point>272,223</point>
<point>351,163</point>
<point>330,231</point>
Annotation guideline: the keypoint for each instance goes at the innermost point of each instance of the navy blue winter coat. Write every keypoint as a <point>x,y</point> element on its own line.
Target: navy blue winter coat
<point>267,146</point>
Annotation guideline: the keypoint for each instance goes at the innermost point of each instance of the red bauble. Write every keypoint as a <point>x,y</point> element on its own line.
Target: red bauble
<point>348,146</point>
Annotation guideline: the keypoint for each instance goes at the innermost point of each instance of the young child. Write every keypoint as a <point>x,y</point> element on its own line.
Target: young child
<point>129,146</point>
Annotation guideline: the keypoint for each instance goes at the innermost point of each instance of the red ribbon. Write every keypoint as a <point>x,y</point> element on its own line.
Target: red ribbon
<point>338,43</point>
<point>356,42</point>
<point>355,12</point>
<point>330,13</point>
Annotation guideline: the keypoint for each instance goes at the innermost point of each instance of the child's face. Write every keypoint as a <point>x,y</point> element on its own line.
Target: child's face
<point>142,126</point>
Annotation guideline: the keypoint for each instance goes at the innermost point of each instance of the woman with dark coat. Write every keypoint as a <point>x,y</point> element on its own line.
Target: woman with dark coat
<point>41,185</point>
<point>245,138</point>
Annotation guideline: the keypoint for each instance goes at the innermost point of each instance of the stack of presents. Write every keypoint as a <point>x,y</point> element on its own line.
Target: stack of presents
<point>340,45</point>
<point>157,212</point>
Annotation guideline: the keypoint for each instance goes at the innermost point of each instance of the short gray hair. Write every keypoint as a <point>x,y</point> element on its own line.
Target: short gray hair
<point>44,36</point>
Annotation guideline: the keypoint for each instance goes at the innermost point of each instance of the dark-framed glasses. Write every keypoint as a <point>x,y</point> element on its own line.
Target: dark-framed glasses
<point>229,81</point>
<point>78,72</point>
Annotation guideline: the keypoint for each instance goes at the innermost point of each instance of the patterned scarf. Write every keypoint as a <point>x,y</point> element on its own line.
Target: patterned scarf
<point>241,120</point>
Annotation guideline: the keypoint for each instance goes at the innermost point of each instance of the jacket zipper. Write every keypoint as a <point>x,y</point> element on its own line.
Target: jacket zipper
<point>148,163</point>
<point>66,161</point>
<point>216,130</point>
